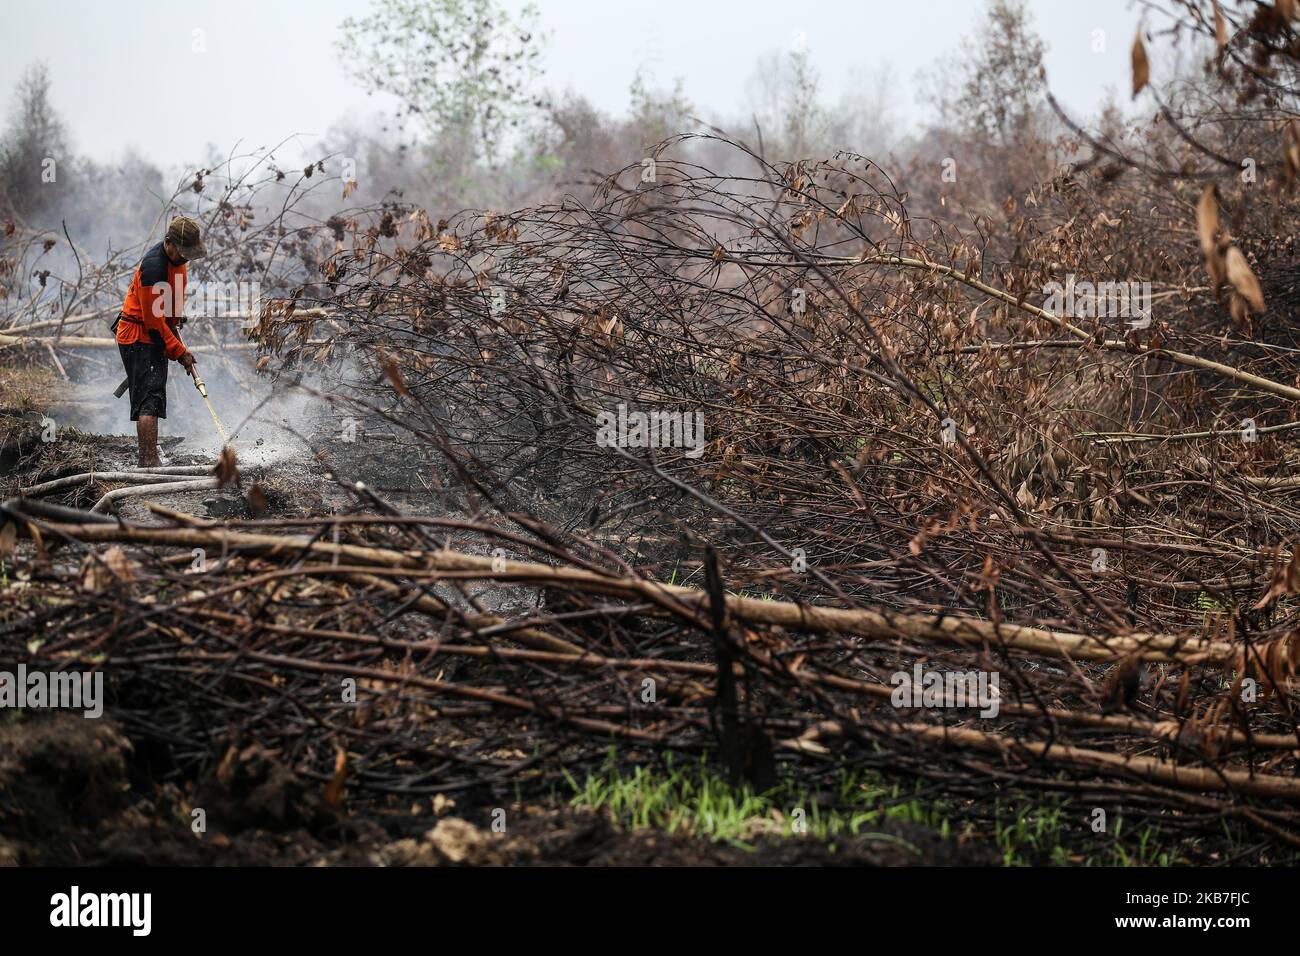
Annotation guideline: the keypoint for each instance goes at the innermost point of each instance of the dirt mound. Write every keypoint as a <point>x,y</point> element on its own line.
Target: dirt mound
<point>67,798</point>
<point>58,774</point>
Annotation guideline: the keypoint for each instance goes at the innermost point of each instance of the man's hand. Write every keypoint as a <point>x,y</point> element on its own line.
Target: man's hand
<point>187,363</point>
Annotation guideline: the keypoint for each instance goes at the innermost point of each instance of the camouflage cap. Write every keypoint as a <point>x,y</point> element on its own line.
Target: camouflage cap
<point>185,236</point>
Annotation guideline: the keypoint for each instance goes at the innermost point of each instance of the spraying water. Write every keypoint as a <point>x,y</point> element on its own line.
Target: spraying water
<point>221,429</point>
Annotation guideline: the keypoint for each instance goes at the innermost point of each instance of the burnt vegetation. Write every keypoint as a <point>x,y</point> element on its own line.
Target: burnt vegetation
<point>912,457</point>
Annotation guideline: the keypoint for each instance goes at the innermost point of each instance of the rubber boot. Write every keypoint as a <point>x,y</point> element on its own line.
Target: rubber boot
<point>146,433</point>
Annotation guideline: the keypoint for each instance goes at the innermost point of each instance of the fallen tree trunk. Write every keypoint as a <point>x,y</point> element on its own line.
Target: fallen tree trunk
<point>92,342</point>
<point>948,629</point>
<point>1147,768</point>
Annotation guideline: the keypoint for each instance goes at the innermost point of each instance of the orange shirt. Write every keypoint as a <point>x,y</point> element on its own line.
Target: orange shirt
<point>156,294</point>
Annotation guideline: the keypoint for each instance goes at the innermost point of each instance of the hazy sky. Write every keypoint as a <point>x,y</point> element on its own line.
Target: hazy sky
<point>125,73</point>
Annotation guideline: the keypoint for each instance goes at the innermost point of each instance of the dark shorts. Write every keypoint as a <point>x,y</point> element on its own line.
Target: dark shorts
<point>146,371</point>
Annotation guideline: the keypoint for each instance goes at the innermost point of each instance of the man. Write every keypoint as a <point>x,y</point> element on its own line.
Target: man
<point>153,312</point>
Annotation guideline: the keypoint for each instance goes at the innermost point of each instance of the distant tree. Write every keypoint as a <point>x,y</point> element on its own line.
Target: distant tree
<point>463,68</point>
<point>34,150</point>
<point>1000,79</point>
<point>581,144</point>
<point>864,120</point>
<point>655,114</point>
<point>788,109</point>
<point>995,134</point>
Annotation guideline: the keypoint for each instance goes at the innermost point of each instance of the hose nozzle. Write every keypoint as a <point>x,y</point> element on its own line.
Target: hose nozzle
<point>203,389</point>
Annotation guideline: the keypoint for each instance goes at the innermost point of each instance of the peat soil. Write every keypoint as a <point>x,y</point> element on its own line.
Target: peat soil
<point>75,792</point>
<point>80,791</point>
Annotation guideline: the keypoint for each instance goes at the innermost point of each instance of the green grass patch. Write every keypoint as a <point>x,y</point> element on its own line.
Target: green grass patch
<point>690,798</point>
<point>1031,829</point>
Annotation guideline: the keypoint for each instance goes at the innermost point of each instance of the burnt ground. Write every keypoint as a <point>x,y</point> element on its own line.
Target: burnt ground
<point>77,791</point>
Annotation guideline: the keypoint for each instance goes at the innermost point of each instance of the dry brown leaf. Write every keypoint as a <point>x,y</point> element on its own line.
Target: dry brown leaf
<point>8,535</point>
<point>38,543</point>
<point>1220,27</point>
<point>1240,311</point>
<point>93,578</point>
<point>1120,687</point>
<point>226,769</point>
<point>1285,581</point>
<point>1141,69</point>
<point>394,373</point>
<point>227,470</point>
<point>1243,279</point>
<point>334,789</point>
<point>1207,232</point>
<point>1291,150</point>
<point>118,563</point>
<point>257,502</point>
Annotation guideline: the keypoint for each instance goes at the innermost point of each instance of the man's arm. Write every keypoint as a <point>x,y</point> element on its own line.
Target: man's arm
<point>158,308</point>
